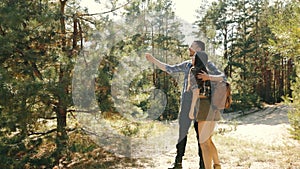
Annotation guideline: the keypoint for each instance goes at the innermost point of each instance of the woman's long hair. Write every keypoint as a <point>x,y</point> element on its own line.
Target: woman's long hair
<point>201,60</point>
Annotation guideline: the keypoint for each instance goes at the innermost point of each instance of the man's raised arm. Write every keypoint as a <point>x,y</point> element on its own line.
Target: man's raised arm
<point>156,62</point>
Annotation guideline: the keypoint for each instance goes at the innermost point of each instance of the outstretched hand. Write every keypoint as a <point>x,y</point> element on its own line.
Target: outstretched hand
<point>149,57</point>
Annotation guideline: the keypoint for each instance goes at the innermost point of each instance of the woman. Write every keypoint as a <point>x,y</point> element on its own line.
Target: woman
<point>206,114</point>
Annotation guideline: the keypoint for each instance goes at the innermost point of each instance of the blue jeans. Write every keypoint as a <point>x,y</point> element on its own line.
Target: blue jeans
<point>184,125</point>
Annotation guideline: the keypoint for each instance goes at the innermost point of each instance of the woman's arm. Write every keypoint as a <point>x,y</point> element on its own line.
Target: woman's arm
<point>194,100</point>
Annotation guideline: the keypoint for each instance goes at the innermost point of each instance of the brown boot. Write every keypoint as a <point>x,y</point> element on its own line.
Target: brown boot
<point>217,166</point>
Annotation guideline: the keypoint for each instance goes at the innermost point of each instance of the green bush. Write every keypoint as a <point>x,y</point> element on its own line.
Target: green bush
<point>294,101</point>
<point>294,118</point>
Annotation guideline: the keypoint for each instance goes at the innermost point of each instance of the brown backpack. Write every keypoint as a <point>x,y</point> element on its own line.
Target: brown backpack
<point>221,95</point>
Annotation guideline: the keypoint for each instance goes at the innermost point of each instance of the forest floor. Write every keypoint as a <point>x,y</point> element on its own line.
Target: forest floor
<point>257,139</point>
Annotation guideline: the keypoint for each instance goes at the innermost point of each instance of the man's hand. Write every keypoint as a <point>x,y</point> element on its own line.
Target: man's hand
<point>156,62</point>
<point>203,76</point>
<point>149,57</point>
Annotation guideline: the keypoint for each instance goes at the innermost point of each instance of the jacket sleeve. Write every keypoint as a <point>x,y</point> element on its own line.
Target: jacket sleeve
<point>213,70</point>
<point>181,67</point>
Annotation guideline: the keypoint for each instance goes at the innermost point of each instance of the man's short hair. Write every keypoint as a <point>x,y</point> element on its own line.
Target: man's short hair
<point>200,44</point>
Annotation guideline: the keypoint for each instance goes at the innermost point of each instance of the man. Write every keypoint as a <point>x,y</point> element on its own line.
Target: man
<point>186,98</point>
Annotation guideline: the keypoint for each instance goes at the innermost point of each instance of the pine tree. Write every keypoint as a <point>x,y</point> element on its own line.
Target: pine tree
<point>39,43</point>
<point>240,27</point>
<point>284,20</point>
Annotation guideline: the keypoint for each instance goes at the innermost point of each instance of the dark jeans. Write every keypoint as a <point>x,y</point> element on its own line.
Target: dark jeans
<point>184,125</point>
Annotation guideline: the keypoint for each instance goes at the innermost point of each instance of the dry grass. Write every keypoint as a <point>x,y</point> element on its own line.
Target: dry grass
<point>239,153</point>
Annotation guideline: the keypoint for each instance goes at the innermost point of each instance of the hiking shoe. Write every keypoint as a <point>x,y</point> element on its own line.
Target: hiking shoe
<point>176,166</point>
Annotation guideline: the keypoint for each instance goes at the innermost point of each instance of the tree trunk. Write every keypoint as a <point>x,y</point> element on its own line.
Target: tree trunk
<point>61,106</point>
<point>62,23</point>
<point>61,114</point>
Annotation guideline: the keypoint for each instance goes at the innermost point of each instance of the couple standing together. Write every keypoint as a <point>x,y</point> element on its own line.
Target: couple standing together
<point>195,104</point>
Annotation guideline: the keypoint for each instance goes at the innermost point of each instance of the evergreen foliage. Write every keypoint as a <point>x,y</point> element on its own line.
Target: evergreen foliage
<point>244,30</point>
<point>42,40</point>
<point>284,23</point>
<point>37,54</point>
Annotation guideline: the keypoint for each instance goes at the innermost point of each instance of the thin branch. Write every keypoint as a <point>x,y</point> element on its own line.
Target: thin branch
<point>112,10</point>
<point>89,132</point>
<point>48,118</point>
<point>83,111</point>
<point>73,115</point>
<point>92,22</point>
<point>43,133</point>
<point>51,131</point>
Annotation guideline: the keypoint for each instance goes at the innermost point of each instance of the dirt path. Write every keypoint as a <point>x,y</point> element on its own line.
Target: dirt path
<point>269,126</point>
<point>249,140</point>
<point>256,139</point>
